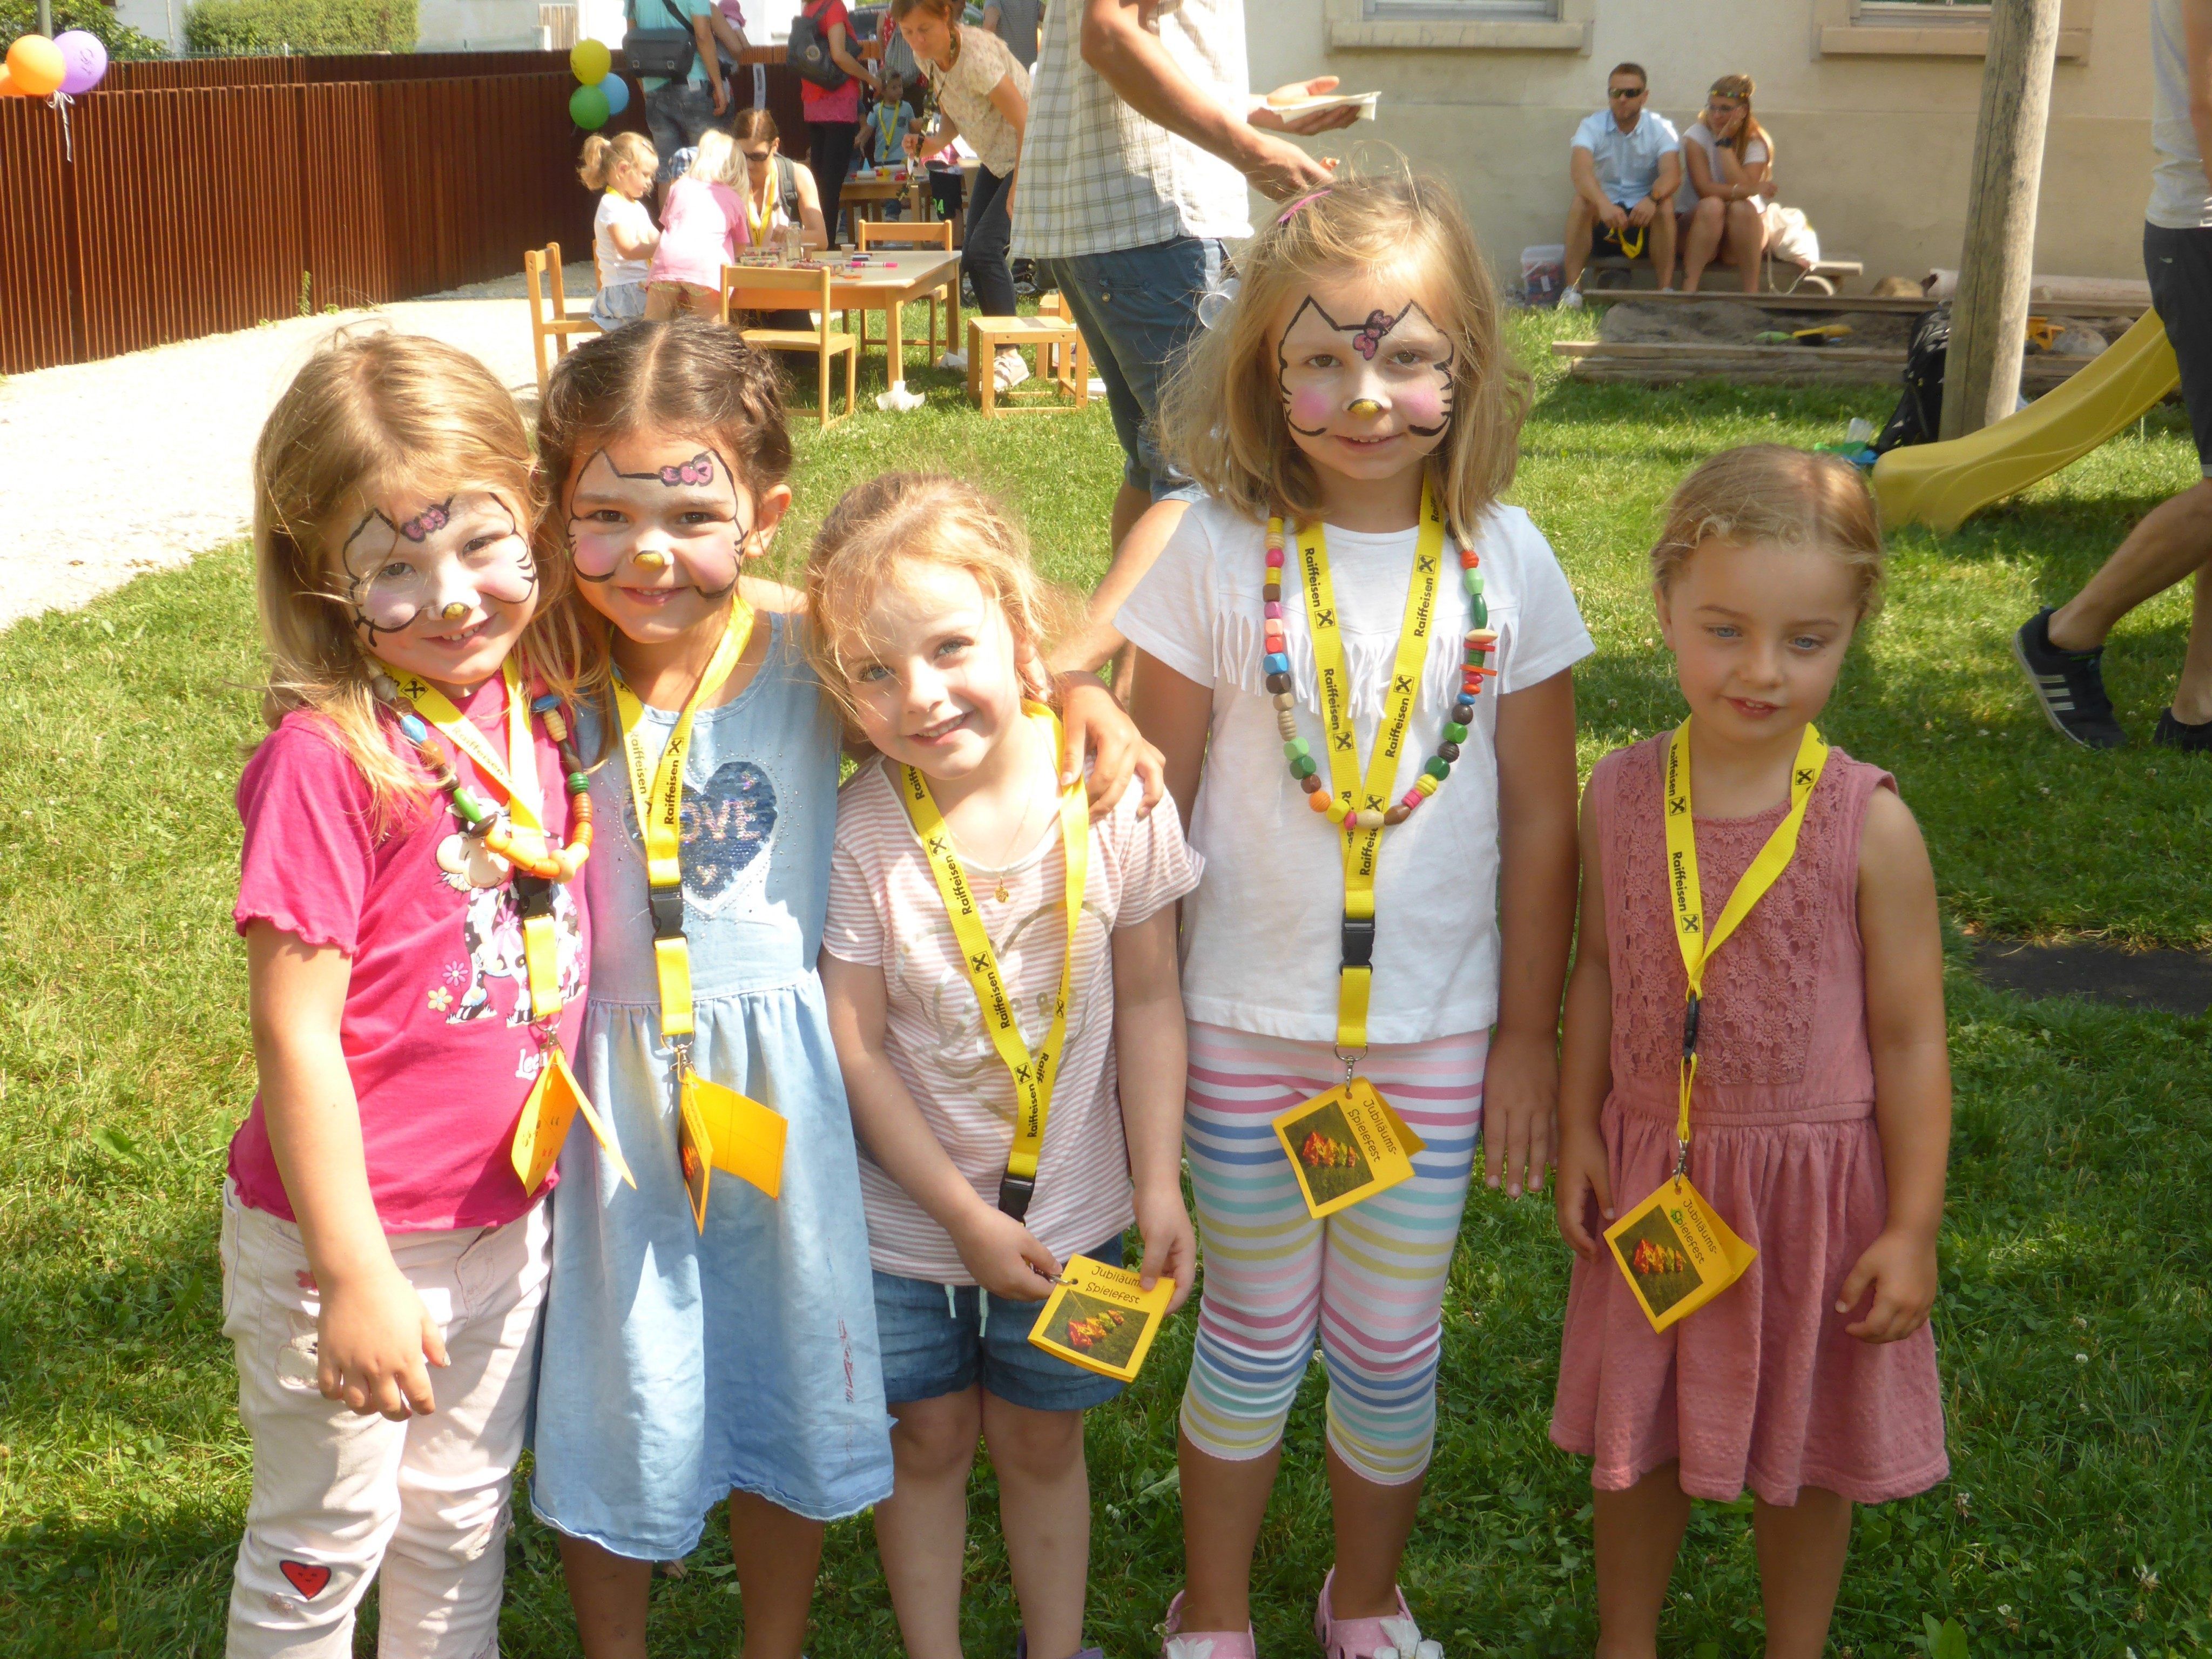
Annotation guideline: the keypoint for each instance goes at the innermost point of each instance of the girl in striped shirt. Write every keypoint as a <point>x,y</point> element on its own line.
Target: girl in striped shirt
<point>930,631</point>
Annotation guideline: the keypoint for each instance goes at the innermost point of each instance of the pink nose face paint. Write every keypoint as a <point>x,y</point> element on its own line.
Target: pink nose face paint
<point>684,518</point>
<point>445,562</point>
<point>1394,366</point>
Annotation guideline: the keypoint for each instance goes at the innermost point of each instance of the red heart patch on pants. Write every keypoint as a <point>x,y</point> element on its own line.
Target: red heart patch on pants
<point>308,1580</point>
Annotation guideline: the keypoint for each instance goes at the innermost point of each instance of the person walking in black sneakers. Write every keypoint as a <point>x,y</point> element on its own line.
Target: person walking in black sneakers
<point>2062,648</point>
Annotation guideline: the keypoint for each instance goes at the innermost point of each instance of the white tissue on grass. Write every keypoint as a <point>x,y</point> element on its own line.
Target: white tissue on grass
<point>898,400</point>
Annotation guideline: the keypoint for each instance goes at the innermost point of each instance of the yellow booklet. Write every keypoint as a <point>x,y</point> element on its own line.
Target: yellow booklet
<point>719,1129</point>
<point>1675,1253</point>
<point>554,1100</point>
<point>1345,1146</point>
<point>1098,1318</point>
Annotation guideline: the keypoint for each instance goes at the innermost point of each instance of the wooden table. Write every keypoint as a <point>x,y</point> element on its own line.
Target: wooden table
<point>893,277</point>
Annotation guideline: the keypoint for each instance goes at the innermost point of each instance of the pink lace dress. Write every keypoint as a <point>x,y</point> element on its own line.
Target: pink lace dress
<point>1760,1387</point>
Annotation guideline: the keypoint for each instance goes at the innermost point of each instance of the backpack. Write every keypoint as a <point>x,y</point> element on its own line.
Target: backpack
<point>664,54</point>
<point>899,61</point>
<point>1919,414</point>
<point>808,52</point>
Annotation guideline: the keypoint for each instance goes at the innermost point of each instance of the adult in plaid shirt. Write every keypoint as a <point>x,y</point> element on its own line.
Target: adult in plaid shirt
<point>1143,137</point>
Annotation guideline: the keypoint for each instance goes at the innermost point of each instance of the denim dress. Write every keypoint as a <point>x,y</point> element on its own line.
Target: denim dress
<point>678,1365</point>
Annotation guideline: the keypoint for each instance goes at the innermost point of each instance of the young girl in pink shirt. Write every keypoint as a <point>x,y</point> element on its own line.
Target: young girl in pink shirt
<point>703,226</point>
<point>415,965</point>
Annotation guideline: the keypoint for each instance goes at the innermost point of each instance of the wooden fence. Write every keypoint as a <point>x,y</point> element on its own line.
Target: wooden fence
<point>208,196</point>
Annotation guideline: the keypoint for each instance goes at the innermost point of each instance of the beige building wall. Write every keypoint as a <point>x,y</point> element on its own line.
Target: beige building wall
<point>1873,119</point>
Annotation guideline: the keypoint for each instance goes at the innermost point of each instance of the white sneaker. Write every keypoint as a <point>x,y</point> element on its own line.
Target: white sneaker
<point>1009,371</point>
<point>955,360</point>
<point>1571,299</point>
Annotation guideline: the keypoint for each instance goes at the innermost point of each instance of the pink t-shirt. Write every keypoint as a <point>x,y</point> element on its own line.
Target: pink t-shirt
<point>435,1029</point>
<point>885,911</point>
<point>703,226</point>
<point>819,103</point>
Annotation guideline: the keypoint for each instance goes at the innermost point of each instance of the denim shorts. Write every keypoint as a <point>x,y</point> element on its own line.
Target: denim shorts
<point>1137,310</point>
<point>940,1338</point>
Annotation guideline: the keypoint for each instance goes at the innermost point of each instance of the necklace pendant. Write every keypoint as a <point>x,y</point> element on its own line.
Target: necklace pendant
<point>1002,894</point>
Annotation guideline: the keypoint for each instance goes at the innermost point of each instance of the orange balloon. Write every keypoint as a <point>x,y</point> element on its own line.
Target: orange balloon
<point>8,86</point>
<point>35,65</point>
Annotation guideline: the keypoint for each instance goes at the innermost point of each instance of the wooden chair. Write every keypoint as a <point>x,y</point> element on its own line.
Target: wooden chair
<point>755,288</point>
<point>1046,334</point>
<point>906,232</point>
<point>549,316</point>
<point>1059,363</point>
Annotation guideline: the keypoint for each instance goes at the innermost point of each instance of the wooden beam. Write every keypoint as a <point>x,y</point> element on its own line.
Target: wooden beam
<point>1988,320</point>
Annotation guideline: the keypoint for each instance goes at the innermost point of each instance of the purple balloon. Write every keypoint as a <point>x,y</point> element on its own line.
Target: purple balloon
<point>84,61</point>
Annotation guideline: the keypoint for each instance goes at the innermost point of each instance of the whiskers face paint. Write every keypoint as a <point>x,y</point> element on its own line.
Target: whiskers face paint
<point>675,523</point>
<point>1381,381</point>
<point>444,562</point>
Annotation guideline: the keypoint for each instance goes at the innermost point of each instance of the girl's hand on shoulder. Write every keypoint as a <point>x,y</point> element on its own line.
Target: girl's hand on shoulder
<point>1170,1243</point>
<point>1004,1256</point>
<point>1585,1180</point>
<point>1900,1267</point>
<point>1098,726</point>
<point>370,1342</point>
<point>1520,1104</point>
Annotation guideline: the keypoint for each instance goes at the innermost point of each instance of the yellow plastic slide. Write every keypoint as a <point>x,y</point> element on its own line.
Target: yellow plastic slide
<point>1942,483</point>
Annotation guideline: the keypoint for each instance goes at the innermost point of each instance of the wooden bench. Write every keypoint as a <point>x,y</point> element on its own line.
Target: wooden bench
<point>1776,276</point>
<point>1061,366</point>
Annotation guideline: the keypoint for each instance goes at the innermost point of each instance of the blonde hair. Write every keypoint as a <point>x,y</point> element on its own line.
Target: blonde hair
<point>1223,413</point>
<point>923,517</point>
<point>372,414</point>
<point>602,155</point>
<point>1739,87</point>
<point>718,161</point>
<point>1785,497</point>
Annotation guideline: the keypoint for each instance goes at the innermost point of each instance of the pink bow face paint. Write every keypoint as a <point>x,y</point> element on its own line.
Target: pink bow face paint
<point>444,564</point>
<point>1367,389</point>
<point>658,516</point>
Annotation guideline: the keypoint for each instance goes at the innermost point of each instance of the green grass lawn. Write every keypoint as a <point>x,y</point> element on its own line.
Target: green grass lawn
<point>2074,1318</point>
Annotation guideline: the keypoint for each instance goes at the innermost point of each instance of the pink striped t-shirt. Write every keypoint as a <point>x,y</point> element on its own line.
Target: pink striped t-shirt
<point>885,911</point>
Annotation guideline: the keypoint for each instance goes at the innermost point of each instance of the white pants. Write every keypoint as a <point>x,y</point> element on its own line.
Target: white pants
<point>338,1497</point>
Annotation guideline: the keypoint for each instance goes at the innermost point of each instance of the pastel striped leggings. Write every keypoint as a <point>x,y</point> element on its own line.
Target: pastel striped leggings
<point>1370,1280</point>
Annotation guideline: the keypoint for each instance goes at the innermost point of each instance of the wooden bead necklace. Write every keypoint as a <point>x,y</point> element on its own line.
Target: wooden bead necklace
<point>1480,640</point>
<point>475,816</point>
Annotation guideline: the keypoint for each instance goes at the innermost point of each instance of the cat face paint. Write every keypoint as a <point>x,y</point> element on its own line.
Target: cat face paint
<point>1358,393</point>
<point>679,520</point>
<point>447,564</point>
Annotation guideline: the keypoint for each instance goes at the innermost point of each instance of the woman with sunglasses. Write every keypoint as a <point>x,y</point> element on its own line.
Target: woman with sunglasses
<point>1728,168</point>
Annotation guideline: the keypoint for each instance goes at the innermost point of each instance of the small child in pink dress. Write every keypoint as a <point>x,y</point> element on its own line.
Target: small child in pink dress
<point>1821,1113</point>
<point>703,226</point>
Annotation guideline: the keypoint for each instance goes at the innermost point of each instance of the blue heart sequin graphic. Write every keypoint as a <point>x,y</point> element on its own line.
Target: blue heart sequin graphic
<point>726,826</point>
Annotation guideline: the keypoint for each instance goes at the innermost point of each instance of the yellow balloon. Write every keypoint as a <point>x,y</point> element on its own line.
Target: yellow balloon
<point>591,60</point>
<point>35,66</point>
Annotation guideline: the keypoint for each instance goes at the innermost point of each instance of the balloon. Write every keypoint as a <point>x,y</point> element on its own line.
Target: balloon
<point>587,108</point>
<point>617,92</point>
<point>87,61</point>
<point>591,60</point>
<point>35,65</point>
<point>8,86</point>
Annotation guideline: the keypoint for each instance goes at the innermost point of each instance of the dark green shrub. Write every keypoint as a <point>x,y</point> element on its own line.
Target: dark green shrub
<point>251,27</point>
<point>123,42</point>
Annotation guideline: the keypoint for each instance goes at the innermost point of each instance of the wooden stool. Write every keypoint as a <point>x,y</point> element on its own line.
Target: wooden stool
<point>1061,364</point>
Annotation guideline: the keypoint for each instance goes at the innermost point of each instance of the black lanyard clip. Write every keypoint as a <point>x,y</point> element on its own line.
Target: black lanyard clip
<point>1359,941</point>
<point>1015,1193</point>
<point>667,906</point>
<point>1690,1025</point>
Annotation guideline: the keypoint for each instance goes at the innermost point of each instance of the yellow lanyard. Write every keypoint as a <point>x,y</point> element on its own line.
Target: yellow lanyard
<point>517,779</point>
<point>1365,803</point>
<point>658,795</point>
<point>1696,944</point>
<point>762,221</point>
<point>1033,1073</point>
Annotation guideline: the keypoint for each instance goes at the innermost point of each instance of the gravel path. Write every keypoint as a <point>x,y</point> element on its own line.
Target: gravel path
<point>139,463</point>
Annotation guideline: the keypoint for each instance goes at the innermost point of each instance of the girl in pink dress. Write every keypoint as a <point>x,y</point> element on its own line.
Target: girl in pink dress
<point>1820,1112</point>
<point>703,226</point>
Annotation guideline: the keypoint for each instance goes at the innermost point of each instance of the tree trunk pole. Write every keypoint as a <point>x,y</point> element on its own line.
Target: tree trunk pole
<point>46,18</point>
<point>1988,322</point>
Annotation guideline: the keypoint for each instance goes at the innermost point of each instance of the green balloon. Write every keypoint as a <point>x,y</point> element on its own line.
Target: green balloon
<point>587,108</point>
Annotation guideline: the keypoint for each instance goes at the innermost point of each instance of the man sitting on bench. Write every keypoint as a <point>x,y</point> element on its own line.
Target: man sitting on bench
<point>1626,164</point>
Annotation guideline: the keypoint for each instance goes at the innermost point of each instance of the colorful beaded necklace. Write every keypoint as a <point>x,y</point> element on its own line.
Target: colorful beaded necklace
<point>475,816</point>
<point>1481,639</point>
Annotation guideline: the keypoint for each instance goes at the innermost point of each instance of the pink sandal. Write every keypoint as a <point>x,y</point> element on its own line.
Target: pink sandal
<point>1369,1638</point>
<point>1205,1643</point>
